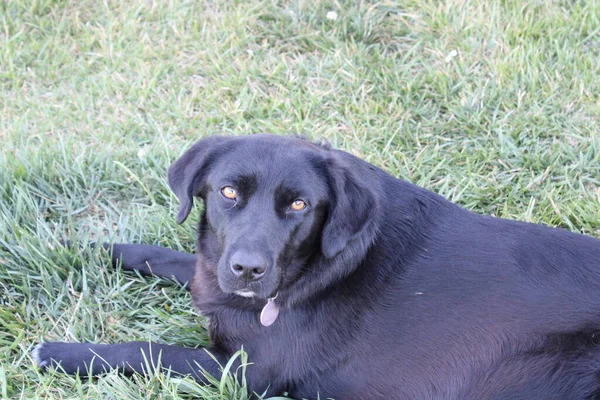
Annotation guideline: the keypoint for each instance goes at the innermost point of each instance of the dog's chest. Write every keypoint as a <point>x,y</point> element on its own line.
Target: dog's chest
<point>295,347</point>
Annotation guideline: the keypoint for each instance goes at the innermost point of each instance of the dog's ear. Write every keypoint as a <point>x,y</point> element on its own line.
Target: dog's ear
<point>187,174</point>
<point>352,211</point>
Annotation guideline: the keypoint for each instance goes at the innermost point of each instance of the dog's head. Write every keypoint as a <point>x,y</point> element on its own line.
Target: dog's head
<point>272,206</point>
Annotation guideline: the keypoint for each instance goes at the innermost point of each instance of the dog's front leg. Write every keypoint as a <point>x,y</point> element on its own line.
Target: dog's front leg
<point>153,260</point>
<point>86,359</point>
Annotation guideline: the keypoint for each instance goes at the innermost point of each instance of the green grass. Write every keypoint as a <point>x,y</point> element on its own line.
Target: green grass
<point>493,104</point>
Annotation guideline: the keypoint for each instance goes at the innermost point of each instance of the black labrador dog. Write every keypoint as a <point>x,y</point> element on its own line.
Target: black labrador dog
<point>342,281</point>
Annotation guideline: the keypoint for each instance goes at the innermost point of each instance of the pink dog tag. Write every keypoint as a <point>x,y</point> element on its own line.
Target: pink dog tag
<point>269,313</point>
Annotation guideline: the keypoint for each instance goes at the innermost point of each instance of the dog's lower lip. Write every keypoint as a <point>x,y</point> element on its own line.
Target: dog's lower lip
<point>245,293</point>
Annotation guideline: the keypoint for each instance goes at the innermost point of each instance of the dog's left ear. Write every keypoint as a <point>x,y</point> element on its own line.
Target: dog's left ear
<point>187,175</point>
<point>353,209</point>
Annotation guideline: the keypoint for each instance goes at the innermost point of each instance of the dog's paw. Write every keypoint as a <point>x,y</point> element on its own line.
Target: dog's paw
<point>40,354</point>
<point>70,358</point>
<point>64,356</point>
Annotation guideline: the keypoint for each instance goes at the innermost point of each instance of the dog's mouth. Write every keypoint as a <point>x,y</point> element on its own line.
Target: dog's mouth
<point>245,293</point>
<point>254,291</point>
<point>261,289</point>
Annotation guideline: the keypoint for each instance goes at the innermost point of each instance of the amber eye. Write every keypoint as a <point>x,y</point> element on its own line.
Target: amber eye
<point>229,192</point>
<point>298,205</point>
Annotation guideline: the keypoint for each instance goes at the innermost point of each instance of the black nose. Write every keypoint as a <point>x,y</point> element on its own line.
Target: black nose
<point>248,265</point>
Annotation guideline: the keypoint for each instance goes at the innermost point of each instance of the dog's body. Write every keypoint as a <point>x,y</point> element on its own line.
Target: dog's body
<point>384,290</point>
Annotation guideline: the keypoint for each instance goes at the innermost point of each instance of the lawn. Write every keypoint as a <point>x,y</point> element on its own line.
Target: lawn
<point>493,104</point>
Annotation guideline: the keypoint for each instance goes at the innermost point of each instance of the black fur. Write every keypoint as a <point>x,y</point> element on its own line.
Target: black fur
<point>386,290</point>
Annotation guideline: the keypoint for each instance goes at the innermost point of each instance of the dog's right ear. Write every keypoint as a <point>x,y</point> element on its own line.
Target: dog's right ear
<point>354,208</point>
<point>187,175</point>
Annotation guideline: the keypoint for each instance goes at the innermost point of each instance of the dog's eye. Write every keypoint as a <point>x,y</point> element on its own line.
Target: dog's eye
<point>229,192</point>
<point>298,205</point>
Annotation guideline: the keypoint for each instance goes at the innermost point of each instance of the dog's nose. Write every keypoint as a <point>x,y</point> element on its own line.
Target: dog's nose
<point>248,265</point>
